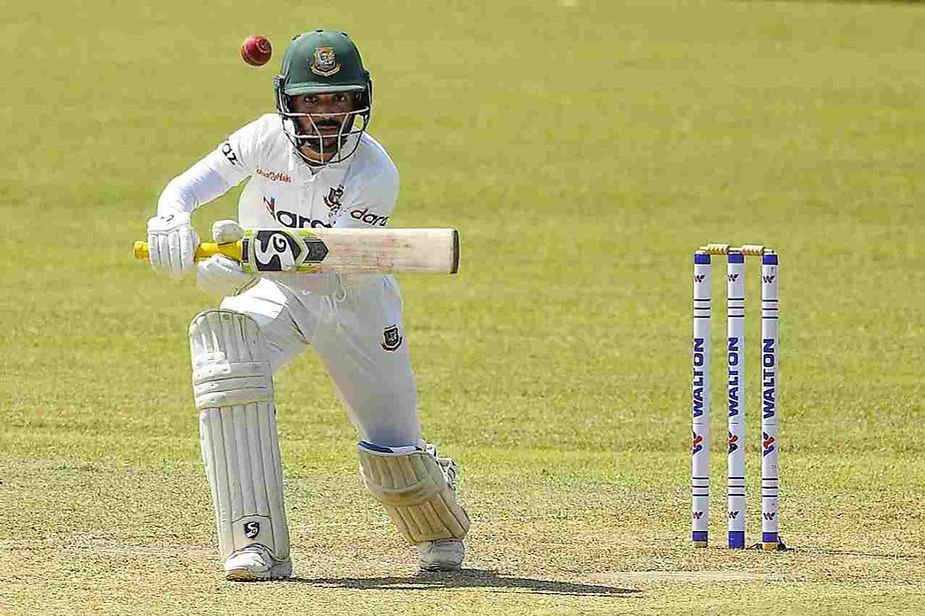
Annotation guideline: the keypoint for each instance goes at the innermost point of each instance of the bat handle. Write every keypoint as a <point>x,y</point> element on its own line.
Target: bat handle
<point>140,250</point>
<point>203,251</point>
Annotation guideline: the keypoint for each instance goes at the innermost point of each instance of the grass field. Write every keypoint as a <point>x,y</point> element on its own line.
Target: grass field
<point>583,149</point>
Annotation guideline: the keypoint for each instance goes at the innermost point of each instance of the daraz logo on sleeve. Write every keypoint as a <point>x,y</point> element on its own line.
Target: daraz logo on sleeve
<point>370,218</point>
<point>228,151</point>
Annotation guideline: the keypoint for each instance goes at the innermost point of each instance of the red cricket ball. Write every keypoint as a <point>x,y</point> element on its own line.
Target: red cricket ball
<point>256,50</point>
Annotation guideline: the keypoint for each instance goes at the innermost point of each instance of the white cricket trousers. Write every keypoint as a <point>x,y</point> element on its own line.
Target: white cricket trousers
<point>357,332</point>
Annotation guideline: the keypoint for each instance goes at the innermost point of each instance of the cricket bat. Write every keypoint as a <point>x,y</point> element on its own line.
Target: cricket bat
<point>392,251</point>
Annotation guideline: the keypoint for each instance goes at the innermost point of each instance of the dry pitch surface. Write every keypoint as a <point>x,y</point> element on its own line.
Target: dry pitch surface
<point>583,149</point>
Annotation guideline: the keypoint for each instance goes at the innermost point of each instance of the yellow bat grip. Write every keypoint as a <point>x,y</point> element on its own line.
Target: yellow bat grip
<point>203,251</point>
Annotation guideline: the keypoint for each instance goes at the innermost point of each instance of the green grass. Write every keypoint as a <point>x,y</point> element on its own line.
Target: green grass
<point>583,152</point>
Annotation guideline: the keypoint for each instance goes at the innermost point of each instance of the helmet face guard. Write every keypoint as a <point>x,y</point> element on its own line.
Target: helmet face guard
<point>323,62</point>
<point>304,130</point>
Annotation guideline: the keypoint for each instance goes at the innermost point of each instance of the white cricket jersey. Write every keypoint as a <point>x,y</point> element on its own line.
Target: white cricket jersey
<point>352,321</point>
<point>283,191</point>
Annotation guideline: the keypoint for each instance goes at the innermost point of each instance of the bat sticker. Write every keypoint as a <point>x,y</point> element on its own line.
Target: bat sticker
<point>278,250</point>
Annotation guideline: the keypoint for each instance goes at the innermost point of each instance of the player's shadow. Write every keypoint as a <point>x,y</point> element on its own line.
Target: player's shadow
<point>468,578</point>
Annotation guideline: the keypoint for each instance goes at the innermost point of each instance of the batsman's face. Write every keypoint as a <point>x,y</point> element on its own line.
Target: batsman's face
<point>328,117</point>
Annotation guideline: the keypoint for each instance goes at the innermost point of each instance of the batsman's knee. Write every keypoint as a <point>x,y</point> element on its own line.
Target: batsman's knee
<point>417,490</point>
<point>230,360</point>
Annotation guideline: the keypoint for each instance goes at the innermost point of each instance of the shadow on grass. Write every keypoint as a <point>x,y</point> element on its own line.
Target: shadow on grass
<point>468,578</point>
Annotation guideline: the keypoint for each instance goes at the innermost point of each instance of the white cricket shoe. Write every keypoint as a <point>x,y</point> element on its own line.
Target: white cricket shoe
<point>441,555</point>
<point>256,563</point>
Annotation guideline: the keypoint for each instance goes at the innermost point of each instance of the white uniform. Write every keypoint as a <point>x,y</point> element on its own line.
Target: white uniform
<point>353,322</point>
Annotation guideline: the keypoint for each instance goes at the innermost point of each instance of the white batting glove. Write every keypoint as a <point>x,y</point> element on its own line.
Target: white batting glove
<point>220,275</point>
<point>172,244</point>
<point>226,231</point>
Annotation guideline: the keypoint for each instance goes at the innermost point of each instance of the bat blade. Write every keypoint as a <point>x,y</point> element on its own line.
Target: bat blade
<point>389,250</point>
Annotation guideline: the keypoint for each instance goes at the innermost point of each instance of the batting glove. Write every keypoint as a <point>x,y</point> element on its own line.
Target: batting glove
<point>220,275</point>
<point>172,244</point>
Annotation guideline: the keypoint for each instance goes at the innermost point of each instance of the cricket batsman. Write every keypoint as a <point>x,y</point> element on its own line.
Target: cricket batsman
<point>311,164</point>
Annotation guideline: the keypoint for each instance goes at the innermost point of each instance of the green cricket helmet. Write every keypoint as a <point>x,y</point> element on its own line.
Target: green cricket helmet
<point>323,62</point>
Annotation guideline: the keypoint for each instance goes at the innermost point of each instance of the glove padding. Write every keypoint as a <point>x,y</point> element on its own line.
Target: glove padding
<point>172,244</point>
<point>220,275</point>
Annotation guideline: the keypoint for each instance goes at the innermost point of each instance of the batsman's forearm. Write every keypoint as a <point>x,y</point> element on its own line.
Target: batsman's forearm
<point>196,186</point>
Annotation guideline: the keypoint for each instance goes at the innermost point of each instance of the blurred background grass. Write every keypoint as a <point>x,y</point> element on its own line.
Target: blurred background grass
<point>583,150</point>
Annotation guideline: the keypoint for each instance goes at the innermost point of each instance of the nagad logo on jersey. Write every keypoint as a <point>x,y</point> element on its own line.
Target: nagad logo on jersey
<point>370,218</point>
<point>274,176</point>
<point>290,219</point>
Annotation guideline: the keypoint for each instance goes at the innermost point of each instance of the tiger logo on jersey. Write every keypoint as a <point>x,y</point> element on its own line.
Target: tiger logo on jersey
<point>332,199</point>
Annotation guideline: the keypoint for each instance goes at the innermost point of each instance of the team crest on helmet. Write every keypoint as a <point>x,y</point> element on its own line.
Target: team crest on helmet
<point>324,62</point>
<point>391,339</point>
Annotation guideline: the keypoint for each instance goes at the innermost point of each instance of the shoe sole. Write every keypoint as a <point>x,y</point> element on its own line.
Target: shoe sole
<point>439,567</point>
<point>245,575</point>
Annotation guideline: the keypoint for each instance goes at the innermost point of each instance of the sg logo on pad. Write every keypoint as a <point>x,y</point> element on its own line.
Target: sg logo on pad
<point>251,529</point>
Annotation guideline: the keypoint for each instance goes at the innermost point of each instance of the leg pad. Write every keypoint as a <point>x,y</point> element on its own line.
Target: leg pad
<point>413,487</point>
<point>233,388</point>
